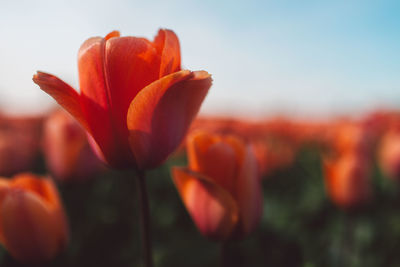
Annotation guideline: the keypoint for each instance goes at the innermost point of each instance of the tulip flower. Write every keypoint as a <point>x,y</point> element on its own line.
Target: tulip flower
<point>352,138</point>
<point>389,154</point>
<point>135,101</point>
<point>67,152</point>
<point>33,226</point>
<point>347,181</point>
<point>347,169</point>
<point>221,187</point>
<point>19,144</point>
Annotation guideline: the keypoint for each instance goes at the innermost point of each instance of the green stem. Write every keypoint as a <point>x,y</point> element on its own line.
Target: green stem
<point>346,249</point>
<point>145,220</point>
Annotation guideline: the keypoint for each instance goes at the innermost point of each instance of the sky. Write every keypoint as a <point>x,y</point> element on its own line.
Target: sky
<point>266,57</point>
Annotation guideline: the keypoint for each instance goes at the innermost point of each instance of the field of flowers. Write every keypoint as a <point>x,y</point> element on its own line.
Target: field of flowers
<point>330,194</point>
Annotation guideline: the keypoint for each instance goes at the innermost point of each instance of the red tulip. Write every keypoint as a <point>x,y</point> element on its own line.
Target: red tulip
<point>221,188</point>
<point>33,225</point>
<point>134,100</point>
<point>66,149</point>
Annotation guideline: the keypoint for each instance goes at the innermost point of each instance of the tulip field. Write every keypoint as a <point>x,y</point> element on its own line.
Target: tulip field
<point>123,168</point>
<point>314,210</point>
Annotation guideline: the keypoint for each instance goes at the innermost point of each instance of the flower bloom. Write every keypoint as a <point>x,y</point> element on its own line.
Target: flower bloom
<point>33,225</point>
<point>347,180</point>
<point>67,152</point>
<point>134,101</point>
<point>221,187</point>
<point>389,154</point>
<point>347,171</point>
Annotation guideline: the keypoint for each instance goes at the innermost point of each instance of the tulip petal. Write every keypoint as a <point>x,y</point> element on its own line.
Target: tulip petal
<point>239,147</point>
<point>205,149</point>
<point>126,65</point>
<point>198,144</point>
<point>64,94</point>
<point>30,229</point>
<point>131,64</point>
<point>248,193</point>
<point>159,116</point>
<point>95,95</point>
<point>45,188</point>
<point>213,209</point>
<point>167,45</point>
<point>220,165</point>
<point>112,35</point>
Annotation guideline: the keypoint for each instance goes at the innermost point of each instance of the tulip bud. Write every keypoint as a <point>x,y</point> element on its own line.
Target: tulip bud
<point>67,152</point>
<point>33,226</point>
<point>221,187</point>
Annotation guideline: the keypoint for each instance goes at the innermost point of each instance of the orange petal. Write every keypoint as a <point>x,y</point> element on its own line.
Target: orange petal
<point>248,193</point>
<point>167,45</point>
<point>64,94</point>
<point>45,188</point>
<point>159,116</point>
<point>238,146</point>
<point>198,144</point>
<point>112,35</point>
<point>95,97</point>
<point>220,165</point>
<point>213,209</point>
<point>131,64</point>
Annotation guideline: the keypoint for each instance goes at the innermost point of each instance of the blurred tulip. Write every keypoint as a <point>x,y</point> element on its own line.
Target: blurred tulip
<point>389,154</point>
<point>273,156</point>
<point>352,137</point>
<point>348,168</point>
<point>221,187</point>
<point>276,141</point>
<point>33,226</point>
<point>67,152</point>
<point>135,101</point>
<point>347,181</point>
<point>19,144</point>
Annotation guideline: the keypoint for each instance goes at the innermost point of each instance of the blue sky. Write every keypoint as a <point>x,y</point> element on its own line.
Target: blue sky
<point>266,57</point>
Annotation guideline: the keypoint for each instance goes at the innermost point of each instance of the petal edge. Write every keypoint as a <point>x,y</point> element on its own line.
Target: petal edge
<point>160,115</point>
<point>63,93</point>
<point>211,207</point>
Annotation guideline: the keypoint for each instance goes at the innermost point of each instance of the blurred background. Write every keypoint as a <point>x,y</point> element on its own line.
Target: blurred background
<point>314,87</point>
